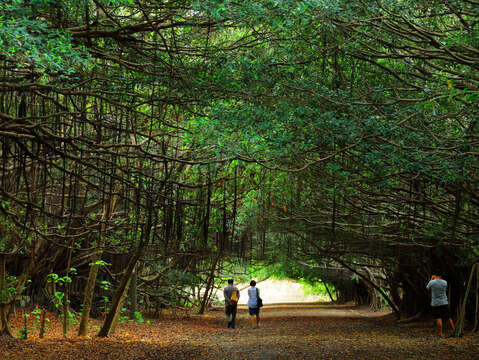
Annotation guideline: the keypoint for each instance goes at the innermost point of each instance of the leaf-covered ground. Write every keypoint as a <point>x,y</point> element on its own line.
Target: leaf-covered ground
<point>286,332</point>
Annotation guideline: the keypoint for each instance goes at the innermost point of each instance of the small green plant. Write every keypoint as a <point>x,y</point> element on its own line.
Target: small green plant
<point>9,292</point>
<point>37,313</point>
<point>58,297</point>
<point>139,317</point>
<point>24,332</point>
<point>105,285</point>
<point>105,302</point>
<point>40,321</point>
<point>123,318</point>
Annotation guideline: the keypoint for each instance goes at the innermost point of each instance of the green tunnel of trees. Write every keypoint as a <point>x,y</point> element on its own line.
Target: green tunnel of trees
<point>157,147</point>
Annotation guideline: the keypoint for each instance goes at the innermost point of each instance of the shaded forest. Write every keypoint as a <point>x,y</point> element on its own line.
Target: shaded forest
<point>152,149</point>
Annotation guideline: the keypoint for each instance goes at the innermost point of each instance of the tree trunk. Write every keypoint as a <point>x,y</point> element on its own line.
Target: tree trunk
<point>328,291</point>
<point>211,277</point>
<point>66,294</point>
<point>117,298</point>
<point>374,304</point>
<point>133,296</point>
<point>462,310</point>
<point>476,315</point>
<point>42,325</point>
<point>5,328</point>
<point>89,292</point>
<point>391,304</point>
<point>120,307</point>
<point>94,268</point>
<point>125,280</point>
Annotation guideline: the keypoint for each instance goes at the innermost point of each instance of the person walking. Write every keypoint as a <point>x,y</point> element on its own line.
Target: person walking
<point>439,303</point>
<point>254,303</point>
<point>231,294</point>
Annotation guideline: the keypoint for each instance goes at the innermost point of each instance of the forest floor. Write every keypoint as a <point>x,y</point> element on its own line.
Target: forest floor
<point>293,331</point>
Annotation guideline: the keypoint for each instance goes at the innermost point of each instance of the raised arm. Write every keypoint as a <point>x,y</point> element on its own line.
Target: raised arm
<point>428,286</point>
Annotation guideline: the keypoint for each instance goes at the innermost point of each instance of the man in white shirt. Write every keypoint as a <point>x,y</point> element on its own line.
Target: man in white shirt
<point>439,304</point>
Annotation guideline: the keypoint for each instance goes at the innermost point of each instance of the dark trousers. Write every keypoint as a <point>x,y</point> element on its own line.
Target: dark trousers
<point>231,310</point>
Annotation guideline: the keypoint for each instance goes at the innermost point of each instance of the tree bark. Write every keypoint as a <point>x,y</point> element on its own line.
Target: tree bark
<point>211,277</point>
<point>328,291</point>
<point>116,301</point>
<point>462,310</point>
<point>125,280</point>
<point>42,325</point>
<point>374,304</point>
<point>133,296</point>
<point>476,314</point>
<point>94,268</point>
<point>67,294</point>
<point>5,328</point>
<point>120,307</point>
<point>393,306</point>
<point>89,292</point>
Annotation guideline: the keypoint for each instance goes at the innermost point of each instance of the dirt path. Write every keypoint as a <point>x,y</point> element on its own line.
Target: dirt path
<point>329,332</point>
<point>286,332</point>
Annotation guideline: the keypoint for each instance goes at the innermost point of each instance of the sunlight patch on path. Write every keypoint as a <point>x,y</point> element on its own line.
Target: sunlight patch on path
<point>277,291</point>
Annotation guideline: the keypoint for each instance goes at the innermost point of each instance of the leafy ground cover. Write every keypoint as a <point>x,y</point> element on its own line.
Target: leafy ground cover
<point>286,332</point>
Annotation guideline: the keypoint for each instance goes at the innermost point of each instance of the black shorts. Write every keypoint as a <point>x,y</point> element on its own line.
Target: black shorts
<point>254,311</point>
<point>441,312</point>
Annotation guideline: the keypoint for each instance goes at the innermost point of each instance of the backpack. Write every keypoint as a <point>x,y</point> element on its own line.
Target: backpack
<point>234,297</point>
<point>260,301</point>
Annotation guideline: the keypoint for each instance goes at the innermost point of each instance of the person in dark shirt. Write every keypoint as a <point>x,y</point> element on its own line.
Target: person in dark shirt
<point>231,306</point>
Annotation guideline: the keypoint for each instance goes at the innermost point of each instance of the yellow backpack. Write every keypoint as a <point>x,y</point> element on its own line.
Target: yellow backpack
<point>234,297</point>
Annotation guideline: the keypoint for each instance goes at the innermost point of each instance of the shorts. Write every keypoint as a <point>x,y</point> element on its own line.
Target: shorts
<point>254,311</point>
<point>441,312</point>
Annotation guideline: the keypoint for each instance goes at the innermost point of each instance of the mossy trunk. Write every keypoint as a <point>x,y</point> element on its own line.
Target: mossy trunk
<point>133,296</point>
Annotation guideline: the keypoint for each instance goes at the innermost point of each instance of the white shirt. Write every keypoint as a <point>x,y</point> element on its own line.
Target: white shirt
<point>253,294</point>
<point>438,292</point>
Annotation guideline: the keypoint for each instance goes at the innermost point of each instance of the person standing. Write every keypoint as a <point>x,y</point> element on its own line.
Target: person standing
<point>253,304</point>
<point>231,294</point>
<point>439,303</point>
